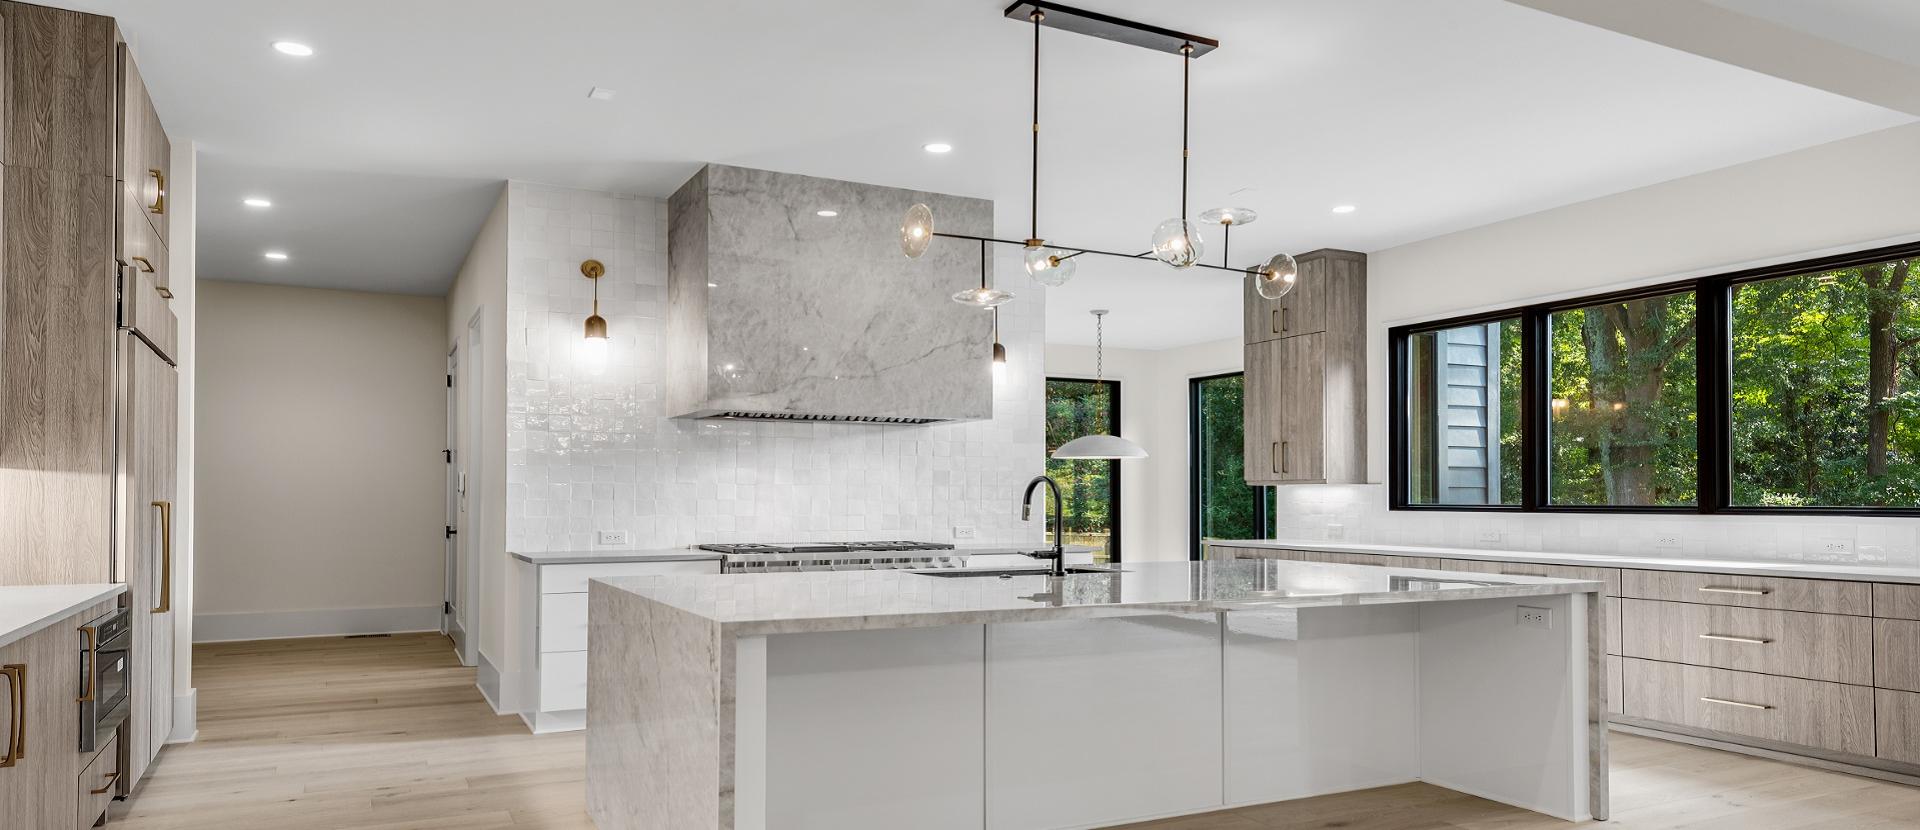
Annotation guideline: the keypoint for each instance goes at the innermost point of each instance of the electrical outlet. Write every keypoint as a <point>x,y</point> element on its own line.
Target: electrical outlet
<point>1531,617</point>
<point>613,537</point>
<point>1493,536</point>
<point>963,531</point>
<point>1836,546</point>
<point>1667,541</point>
<point>1336,532</point>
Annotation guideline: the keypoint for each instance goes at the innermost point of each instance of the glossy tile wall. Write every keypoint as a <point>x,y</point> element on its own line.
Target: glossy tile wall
<point>1358,513</point>
<point>589,447</point>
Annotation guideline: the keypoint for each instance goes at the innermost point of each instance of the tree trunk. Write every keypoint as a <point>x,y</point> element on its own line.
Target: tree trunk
<point>1628,351</point>
<point>1884,287</point>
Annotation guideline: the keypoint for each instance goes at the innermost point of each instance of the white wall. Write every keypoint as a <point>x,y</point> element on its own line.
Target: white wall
<point>181,262</point>
<point>476,323</point>
<point>318,426</point>
<point>1846,195</point>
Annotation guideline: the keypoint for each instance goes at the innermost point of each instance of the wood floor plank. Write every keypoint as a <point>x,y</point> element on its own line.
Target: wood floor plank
<point>390,734</point>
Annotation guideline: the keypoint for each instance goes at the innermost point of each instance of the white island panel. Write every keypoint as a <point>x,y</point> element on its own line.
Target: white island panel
<point>1094,722</point>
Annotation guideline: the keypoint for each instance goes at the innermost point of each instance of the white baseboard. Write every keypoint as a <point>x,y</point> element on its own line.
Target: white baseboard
<point>186,717</point>
<point>546,723</point>
<point>487,678</point>
<point>323,622</point>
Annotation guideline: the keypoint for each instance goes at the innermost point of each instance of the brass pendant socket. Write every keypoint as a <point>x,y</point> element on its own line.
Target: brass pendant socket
<point>592,269</point>
<point>597,327</point>
<point>1035,243</point>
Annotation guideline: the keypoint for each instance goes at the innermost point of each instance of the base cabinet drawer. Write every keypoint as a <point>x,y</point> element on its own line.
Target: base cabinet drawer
<point>1827,647</point>
<point>563,622</point>
<point>563,681</point>
<point>1616,693</point>
<point>1899,726</point>
<point>1830,716</point>
<point>98,782</point>
<point>572,579</point>
<point>1900,602</point>
<point>1896,655</point>
<point>1779,593</point>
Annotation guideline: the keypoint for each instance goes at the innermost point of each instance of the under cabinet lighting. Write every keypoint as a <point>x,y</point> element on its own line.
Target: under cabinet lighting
<point>288,47</point>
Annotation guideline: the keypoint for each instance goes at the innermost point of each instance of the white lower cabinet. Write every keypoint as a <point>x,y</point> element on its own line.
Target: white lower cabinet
<point>1091,722</point>
<point>559,685</point>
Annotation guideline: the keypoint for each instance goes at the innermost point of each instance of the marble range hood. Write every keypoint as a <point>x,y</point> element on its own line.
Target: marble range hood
<point>777,313</point>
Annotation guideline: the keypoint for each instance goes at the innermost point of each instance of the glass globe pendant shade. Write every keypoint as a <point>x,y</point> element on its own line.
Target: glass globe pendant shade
<point>1177,243</point>
<point>1229,216</point>
<point>982,297</point>
<point>1050,266</point>
<point>916,231</point>
<point>1276,278</point>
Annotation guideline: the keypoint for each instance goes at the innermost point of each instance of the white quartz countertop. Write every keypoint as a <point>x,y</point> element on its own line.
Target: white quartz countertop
<point>25,609</point>
<point>851,600</point>
<point>581,557</point>
<point>1749,567</point>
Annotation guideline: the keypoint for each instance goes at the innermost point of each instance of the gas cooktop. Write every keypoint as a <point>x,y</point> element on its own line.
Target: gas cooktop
<point>824,547</point>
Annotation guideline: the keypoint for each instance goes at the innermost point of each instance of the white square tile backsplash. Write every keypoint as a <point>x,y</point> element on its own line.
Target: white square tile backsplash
<point>593,450</point>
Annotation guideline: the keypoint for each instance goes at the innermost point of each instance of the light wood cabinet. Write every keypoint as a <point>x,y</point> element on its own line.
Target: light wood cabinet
<point>1305,401</point>
<point>144,157</point>
<point>1830,647</point>
<point>1898,728</point>
<point>38,789</point>
<point>1900,602</point>
<point>1822,596</point>
<point>1896,655</point>
<point>1829,716</point>
<point>149,403</point>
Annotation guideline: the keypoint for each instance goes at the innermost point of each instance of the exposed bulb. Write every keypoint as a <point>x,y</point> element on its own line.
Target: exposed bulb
<point>1177,243</point>
<point>1276,278</point>
<point>982,297</point>
<point>916,231</point>
<point>1050,266</point>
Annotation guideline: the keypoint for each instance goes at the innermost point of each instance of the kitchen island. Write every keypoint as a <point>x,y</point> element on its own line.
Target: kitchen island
<point>890,699</point>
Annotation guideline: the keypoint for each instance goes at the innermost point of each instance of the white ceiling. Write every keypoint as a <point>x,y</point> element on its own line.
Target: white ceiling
<point>1430,116</point>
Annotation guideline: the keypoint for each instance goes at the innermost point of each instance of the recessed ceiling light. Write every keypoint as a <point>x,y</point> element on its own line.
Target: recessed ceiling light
<point>827,213</point>
<point>938,147</point>
<point>255,201</point>
<point>1344,208</point>
<point>288,47</point>
<point>713,285</point>
<point>276,255</point>
<point>601,94</point>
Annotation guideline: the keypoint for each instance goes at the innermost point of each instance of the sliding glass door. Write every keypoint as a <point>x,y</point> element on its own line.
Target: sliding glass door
<point>1223,505</point>
<point>1089,488</point>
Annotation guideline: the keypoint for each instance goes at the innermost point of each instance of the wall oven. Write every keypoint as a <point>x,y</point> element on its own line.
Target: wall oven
<point>106,676</point>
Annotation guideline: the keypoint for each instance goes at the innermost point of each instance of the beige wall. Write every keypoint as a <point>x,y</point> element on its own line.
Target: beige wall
<point>320,416</point>
<point>476,324</point>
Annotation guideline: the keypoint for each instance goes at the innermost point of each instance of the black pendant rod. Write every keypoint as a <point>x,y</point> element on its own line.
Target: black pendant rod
<point>983,265</point>
<point>1226,242</point>
<point>1078,251</point>
<point>1186,95</point>
<point>1033,230</point>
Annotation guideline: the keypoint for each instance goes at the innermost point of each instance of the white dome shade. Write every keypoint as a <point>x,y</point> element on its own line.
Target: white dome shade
<point>1100,446</point>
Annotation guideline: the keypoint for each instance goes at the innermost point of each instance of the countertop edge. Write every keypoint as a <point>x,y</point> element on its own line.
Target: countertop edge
<point>697,555</point>
<point>87,594</point>
<point>1781,568</point>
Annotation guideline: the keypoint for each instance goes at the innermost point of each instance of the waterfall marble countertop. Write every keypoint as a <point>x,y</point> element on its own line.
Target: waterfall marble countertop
<point>25,609</point>
<point>1744,567</point>
<point>752,604</point>
<point>584,557</point>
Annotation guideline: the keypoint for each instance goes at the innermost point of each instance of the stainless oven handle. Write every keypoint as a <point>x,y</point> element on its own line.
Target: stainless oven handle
<point>92,670</point>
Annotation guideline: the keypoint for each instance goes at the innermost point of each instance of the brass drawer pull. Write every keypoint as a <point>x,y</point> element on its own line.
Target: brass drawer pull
<point>146,265</point>
<point>109,785</point>
<point>16,746</point>
<point>159,191</point>
<point>1724,702</point>
<point>92,651</point>
<point>1728,638</point>
<point>166,557</point>
<point>1745,592</point>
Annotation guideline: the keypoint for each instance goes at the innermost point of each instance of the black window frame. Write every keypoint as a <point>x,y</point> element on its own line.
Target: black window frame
<point>1713,340</point>
<point>1113,476</point>
<point>1261,517</point>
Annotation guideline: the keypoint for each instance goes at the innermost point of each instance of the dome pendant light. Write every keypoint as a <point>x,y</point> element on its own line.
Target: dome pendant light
<point>595,348</point>
<point>999,351</point>
<point>1177,241</point>
<point>1100,445</point>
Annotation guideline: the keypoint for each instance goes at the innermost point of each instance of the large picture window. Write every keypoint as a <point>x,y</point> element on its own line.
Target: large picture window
<point>1224,506</point>
<point>1791,388</point>
<point>1089,487</point>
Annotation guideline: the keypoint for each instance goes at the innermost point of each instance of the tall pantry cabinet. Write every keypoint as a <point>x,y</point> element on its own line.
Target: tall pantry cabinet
<point>88,388</point>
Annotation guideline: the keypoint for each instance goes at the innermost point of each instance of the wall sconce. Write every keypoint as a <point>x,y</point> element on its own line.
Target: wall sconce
<point>596,329</point>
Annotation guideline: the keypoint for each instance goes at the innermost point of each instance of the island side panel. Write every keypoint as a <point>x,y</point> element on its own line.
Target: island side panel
<point>655,743</point>
<point>1320,700</point>
<point>1504,708</point>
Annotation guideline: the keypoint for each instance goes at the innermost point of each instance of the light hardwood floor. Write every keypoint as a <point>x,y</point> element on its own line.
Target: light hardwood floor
<point>390,733</point>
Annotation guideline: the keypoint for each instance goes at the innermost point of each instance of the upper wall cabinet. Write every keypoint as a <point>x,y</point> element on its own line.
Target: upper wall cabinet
<point>59,101</point>
<point>142,173</point>
<point>1306,376</point>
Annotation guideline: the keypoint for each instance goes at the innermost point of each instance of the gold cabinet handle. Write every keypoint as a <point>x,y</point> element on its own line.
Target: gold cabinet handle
<point>159,191</point>
<point>1273,459</point>
<point>166,557</point>
<point>1283,457</point>
<point>92,651</point>
<point>16,747</point>
<point>1728,638</point>
<point>1280,320</point>
<point>109,785</point>
<point>1745,592</point>
<point>1725,702</point>
<point>146,265</point>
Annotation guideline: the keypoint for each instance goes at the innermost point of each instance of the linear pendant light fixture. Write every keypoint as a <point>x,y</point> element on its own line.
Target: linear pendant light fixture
<point>1175,241</point>
<point>1100,445</point>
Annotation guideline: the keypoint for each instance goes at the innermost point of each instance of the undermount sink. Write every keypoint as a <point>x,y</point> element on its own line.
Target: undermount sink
<point>1009,573</point>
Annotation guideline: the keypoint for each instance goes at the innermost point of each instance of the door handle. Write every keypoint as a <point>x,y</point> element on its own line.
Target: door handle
<point>1273,457</point>
<point>1279,454</point>
<point>1725,702</point>
<point>1280,320</point>
<point>1745,592</point>
<point>166,557</point>
<point>1727,638</point>
<point>159,191</point>
<point>92,651</point>
<point>16,747</point>
<point>109,785</point>
<point>146,265</point>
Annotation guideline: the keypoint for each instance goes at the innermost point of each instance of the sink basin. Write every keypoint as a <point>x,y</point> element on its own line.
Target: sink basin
<point>1009,573</point>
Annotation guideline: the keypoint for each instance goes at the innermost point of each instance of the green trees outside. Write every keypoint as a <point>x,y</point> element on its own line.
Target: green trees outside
<point>1228,505</point>
<point>1826,389</point>
<point>1087,486</point>
<point>1624,419</point>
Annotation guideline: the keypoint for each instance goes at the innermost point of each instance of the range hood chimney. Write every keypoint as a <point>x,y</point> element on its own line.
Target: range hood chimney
<point>775,312</point>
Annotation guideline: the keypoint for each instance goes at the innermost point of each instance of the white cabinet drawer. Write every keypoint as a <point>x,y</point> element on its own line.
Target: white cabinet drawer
<point>563,622</point>
<point>572,579</point>
<point>563,681</point>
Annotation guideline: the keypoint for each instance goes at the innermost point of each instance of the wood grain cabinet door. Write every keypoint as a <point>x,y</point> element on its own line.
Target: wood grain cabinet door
<point>144,154</point>
<point>148,398</point>
<point>1302,381</point>
<point>37,789</point>
<point>1261,414</point>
